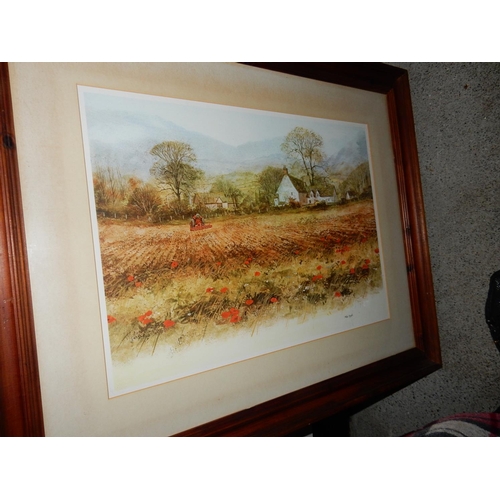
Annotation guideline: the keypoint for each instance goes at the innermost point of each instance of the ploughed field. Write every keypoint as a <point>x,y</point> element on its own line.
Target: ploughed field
<point>166,284</point>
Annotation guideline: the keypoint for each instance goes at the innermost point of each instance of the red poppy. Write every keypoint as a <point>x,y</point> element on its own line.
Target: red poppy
<point>297,252</point>
<point>352,271</point>
<point>138,284</point>
<point>257,273</point>
<point>224,290</point>
<point>130,278</point>
<point>317,277</point>
<point>111,319</point>
<point>338,294</point>
<point>366,266</point>
<point>274,300</point>
<point>174,264</point>
<point>168,323</point>
<point>144,318</point>
<point>218,263</point>
<point>249,302</point>
<point>367,261</point>
<point>376,250</point>
<point>210,289</point>
<point>318,268</point>
<point>233,315</point>
<point>343,262</point>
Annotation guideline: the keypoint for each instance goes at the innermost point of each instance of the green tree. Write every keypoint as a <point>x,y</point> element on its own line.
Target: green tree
<point>175,168</point>
<point>305,148</point>
<point>269,181</point>
<point>359,181</point>
<point>229,189</point>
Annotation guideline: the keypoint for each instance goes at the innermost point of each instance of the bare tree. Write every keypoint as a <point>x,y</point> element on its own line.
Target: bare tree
<point>110,187</point>
<point>175,168</point>
<point>305,147</point>
<point>145,199</point>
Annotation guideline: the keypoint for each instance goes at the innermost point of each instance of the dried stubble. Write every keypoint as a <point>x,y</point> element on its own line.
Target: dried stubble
<point>244,272</point>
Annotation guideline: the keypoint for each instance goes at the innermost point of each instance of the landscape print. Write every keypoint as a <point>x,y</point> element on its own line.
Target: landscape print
<point>223,233</point>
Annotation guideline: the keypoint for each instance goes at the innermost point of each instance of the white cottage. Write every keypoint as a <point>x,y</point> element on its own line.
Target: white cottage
<point>315,196</point>
<point>289,189</point>
<point>212,201</point>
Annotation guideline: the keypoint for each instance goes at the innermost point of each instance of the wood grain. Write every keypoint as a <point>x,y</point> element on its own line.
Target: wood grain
<point>20,399</point>
<point>353,391</point>
<point>21,408</point>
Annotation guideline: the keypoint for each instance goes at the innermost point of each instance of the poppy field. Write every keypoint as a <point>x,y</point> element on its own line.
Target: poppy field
<point>168,286</point>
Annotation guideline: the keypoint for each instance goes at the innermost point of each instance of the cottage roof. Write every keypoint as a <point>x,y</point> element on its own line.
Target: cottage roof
<point>210,198</point>
<point>323,192</point>
<point>299,185</point>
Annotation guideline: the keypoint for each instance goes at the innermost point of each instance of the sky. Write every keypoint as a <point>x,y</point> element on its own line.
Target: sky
<point>231,125</point>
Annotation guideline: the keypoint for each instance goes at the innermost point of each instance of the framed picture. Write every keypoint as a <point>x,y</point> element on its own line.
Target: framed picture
<point>213,249</point>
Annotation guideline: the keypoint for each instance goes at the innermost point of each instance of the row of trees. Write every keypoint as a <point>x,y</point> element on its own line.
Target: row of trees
<point>176,178</point>
<point>117,194</point>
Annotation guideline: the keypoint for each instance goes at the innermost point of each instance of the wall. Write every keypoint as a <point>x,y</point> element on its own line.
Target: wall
<point>457,122</point>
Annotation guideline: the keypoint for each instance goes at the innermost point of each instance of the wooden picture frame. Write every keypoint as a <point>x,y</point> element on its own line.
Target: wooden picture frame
<point>20,399</point>
<point>348,392</point>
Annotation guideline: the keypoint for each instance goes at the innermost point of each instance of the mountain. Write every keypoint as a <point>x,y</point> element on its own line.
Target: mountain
<point>132,155</point>
<point>123,140</point>
<point>348,157</point>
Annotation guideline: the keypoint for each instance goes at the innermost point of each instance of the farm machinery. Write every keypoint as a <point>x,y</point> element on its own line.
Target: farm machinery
<point>197,223</point>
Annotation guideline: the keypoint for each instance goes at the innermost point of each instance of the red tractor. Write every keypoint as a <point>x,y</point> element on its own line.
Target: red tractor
<point>197,223</point>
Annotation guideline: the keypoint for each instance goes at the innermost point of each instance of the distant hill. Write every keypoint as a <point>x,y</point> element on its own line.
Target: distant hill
<point>132,156</point>
<point>348,158</point>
